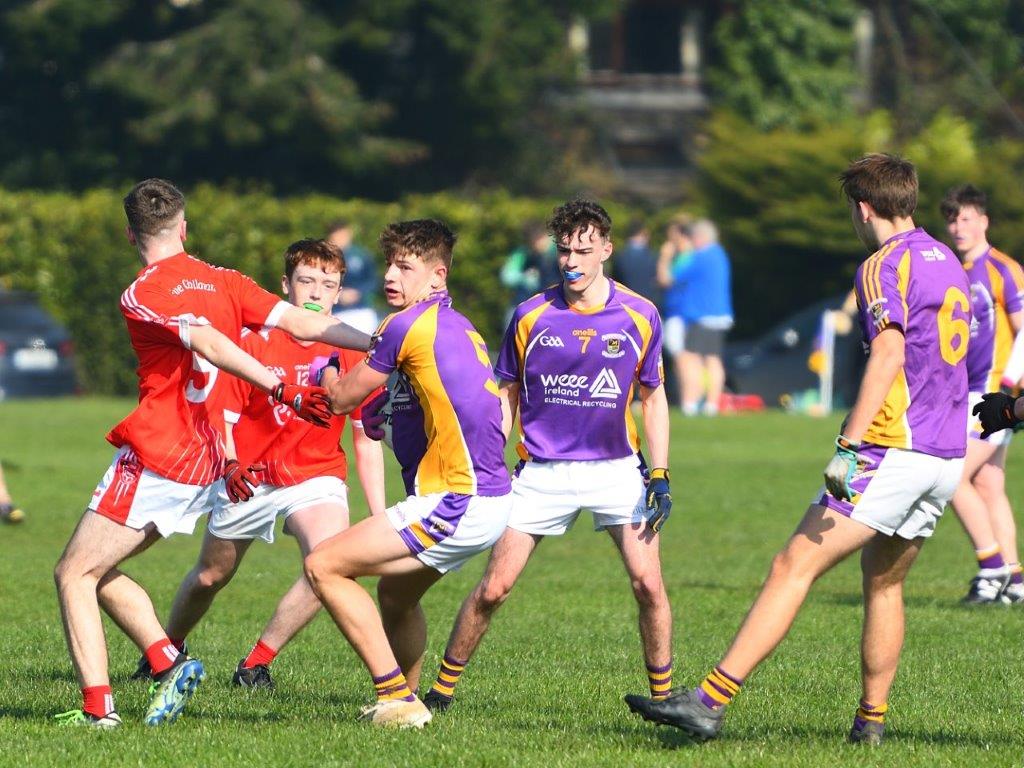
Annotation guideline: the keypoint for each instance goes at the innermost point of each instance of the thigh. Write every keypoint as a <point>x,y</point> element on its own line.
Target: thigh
<point>991,476</point>
<point>510,555</point>
<point>885,560</point>
<point>371,547</point>
<point>314,524</point>
<point>99,544</point>
<point>406,589</point>
<point>222,555</point>
<point>639,548</point>
<point>979,453</point>
<point>823,538</point>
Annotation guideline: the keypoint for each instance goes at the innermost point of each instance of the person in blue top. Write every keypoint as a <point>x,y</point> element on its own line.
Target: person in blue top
<point>675,252</point>
<point>705,304</point>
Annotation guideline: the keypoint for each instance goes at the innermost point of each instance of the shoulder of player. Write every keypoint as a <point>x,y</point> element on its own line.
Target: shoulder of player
<point>1005,261</point>
<point>635,301</point>
<point>546,297</point>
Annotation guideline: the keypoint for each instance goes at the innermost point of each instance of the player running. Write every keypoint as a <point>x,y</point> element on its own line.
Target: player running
<point>997,298</point>
<point>571,356</point>
<point>184,318</point>
<point>447,433</point>
<point>897,463</point>
<point>279,465</point>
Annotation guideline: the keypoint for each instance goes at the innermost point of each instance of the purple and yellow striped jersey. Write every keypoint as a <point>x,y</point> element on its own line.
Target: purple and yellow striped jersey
<point>576,371</point>
<point>997,291</point>
<point>916,284</point>
<point>447,434</point>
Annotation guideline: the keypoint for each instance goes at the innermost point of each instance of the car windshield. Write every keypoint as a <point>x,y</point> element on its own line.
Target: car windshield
<point>24,315</point>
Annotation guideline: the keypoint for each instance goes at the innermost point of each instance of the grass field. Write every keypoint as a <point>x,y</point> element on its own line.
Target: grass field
<point>546,687</point>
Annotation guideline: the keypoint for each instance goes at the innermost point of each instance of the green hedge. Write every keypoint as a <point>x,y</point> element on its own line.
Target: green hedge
<point>71,250</point>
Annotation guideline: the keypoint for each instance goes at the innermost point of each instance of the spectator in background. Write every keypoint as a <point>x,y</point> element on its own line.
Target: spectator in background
<point>675,252</point>
<point>532,266</point>
<point>706,308</point>
<point>636,266</point>
<point>9,511</point>
<point>355,306</point>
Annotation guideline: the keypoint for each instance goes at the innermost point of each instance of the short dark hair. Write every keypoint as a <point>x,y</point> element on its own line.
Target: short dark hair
<point>578,215</point>
<point>887,183</point>
<point>636,227</point>
<point>429,239</point>
<point>961,197</point>
<point>337,224</point>
<point>151,206</point>
<point>314,253</point>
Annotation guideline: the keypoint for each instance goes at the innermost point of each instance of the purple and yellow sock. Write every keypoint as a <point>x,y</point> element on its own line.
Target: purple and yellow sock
<point>1016,574</point>
<point>869,713</point>
<point>718,688</point>
<point>990,558</point>
<point>660,680</point>
<point>448,676</point>
<point>392,687</point>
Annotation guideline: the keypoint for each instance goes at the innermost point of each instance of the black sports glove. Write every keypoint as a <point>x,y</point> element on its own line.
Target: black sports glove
<point>996,412</point>
<point>659,499</point>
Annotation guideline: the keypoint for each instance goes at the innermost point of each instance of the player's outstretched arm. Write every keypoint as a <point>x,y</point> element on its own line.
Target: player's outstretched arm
<point>309,403</point>
<point>312,326</point>
<point>348,391</point>
<point>369,456</point>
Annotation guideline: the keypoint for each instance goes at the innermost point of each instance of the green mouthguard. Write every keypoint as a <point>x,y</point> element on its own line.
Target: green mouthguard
<point>314,307</point>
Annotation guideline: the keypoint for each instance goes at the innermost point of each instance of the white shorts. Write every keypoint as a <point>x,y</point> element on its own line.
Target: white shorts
<point>444,530</point>
<point>673,334</point>
<point>548,496</point>
<point>902,493</point>
<point>1002,437</point>
<point>135,497</point>
<point>255,518</point>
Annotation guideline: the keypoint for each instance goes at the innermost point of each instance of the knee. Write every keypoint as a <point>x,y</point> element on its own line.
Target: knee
<point>317,570</point>
<point>68,571</point>
<point>648,589</point>
<point>786,567</point>
<point>491,593</point>
<point>211,578</point>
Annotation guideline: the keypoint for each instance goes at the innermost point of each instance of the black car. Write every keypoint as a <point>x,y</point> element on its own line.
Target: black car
<point>36,352</point>
<point>775,364</point>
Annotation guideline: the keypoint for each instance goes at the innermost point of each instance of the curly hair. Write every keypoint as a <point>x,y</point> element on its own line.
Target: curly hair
<point>578,215</point>
<point>429,239</point>
<point>314,253</point>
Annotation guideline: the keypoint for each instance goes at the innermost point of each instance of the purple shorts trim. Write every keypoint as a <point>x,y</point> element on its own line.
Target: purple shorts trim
<point>438,524</point>
<point>869,457</point>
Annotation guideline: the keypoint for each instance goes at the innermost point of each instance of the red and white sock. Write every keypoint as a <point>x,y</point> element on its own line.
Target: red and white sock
<point>98,700</point>
<point>260,655</point>
<point>161,656</point>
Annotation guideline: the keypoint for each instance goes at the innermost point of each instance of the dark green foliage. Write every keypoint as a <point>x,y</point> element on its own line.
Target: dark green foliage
<point>781,63</point>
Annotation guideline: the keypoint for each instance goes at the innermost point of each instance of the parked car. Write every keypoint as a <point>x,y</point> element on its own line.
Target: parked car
<point>36,352</point>
<point>774,365</point>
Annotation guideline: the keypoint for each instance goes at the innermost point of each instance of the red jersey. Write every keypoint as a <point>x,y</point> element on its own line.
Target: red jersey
<point>270,433</point>
<point>177,429</point>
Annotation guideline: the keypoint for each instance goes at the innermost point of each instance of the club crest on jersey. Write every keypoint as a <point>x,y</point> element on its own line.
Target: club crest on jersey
<point>613,345</point>
<point>879,313</point>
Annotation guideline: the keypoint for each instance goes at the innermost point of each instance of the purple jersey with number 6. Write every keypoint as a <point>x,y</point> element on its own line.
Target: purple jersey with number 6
<point>997,291</point>
<point>576,371</point>
<point>915,284</point>
<point>446,422</point>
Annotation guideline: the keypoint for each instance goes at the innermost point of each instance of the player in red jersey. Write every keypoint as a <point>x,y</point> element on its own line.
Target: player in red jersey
<point>280,465</point>
<point>184,318</point>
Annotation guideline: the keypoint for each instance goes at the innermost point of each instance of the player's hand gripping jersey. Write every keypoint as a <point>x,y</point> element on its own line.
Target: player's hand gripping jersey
<point>269,433</point>
<point>997,291</point>
<point>176,430</point>
<point>576,372</point>
<point>916,284</point>
<point>446,423</point>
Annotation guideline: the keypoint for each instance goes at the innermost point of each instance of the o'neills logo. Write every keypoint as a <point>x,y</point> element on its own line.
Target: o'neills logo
<point>192,285</point>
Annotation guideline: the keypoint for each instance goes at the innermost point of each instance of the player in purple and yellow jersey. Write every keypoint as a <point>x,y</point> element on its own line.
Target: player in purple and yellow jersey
<point>997,298</point>
<point>897,462</point>
<point>570,360</point>
<point>460,491</point>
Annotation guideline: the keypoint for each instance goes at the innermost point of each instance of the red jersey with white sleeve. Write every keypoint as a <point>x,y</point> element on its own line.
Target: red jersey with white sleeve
<point>177,429</point>
<point>269,433</point>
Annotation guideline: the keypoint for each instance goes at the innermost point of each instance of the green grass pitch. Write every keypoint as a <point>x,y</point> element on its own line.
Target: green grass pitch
<point>546,687</point>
